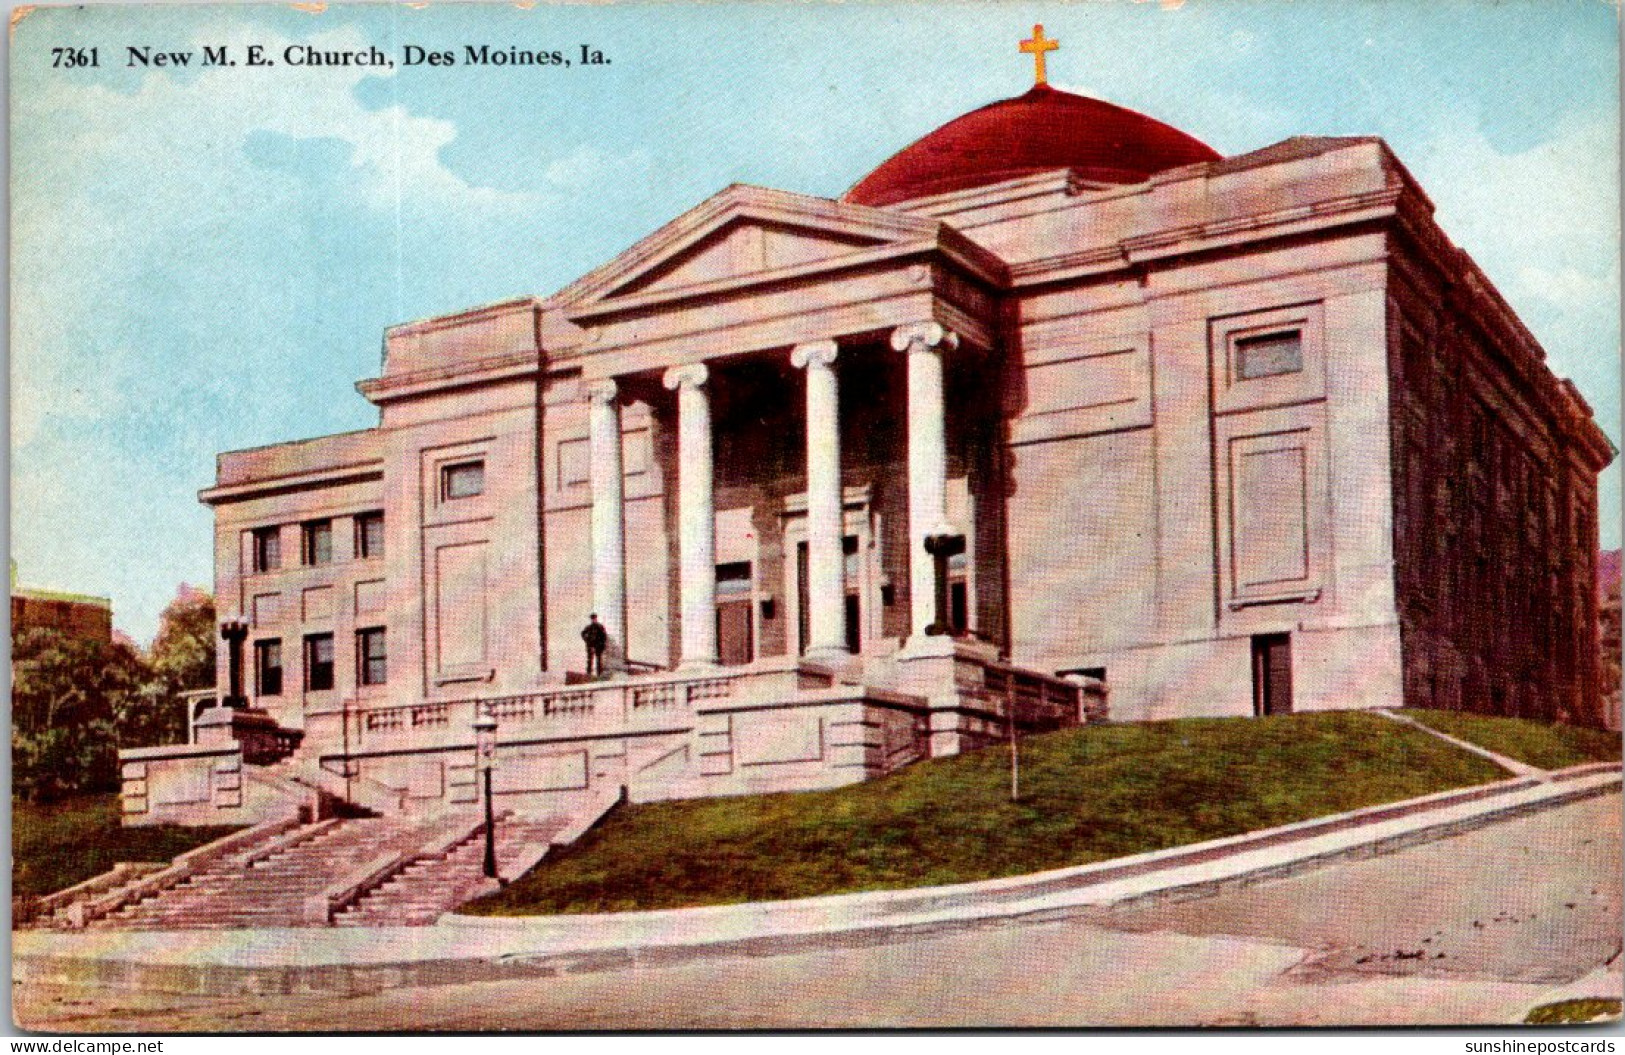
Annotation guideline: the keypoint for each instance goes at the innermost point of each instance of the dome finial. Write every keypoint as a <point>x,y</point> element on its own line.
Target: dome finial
<point>1036,48</point>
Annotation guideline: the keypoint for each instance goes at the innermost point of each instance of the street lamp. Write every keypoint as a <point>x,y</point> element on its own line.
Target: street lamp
<point>485,750</point>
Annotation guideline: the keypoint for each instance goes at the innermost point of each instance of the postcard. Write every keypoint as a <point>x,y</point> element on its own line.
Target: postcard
<point>544,517</point>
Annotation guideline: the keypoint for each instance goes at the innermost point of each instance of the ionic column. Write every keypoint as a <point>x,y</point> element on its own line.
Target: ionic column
<point>925,344</point>
<point>696,516</point>
<point>825,561</point>
<point>608,511</point>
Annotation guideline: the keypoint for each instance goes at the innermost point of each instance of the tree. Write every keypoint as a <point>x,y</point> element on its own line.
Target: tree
<point>65,695</point>
<point>183,652</point>
<point>75,702</point>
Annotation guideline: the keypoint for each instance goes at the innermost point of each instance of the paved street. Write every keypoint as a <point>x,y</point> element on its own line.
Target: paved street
<point>1473,929</point>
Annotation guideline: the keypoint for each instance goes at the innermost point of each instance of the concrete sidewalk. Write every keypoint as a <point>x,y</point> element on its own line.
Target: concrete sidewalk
<point>466,949</point>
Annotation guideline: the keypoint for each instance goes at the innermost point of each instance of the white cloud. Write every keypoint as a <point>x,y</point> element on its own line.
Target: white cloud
<point>1543,223</point>
<point>158,267</point>
<point>1549,209</point>
<point>1570,288</point>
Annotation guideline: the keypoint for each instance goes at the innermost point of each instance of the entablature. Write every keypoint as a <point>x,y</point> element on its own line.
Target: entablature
<point>752,270</point>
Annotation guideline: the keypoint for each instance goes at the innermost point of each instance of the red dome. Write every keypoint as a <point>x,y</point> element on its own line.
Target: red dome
<point>1042,130</point>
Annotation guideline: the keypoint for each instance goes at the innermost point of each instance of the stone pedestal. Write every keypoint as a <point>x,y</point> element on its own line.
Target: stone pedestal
<point>262,740</point>
<point>947,672</point>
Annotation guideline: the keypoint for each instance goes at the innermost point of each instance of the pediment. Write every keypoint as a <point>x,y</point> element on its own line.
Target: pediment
<point>741,234</point>
<point>742,247</point>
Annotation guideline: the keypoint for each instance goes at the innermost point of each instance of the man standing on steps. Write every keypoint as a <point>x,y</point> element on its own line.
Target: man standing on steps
<point>596,639</point>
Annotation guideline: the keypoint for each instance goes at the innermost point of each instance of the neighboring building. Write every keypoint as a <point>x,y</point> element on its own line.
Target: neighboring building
<point>1236,435</point>
<point>76,615</point>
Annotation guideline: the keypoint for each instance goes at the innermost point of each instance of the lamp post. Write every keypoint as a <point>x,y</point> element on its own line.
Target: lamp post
<point>485,749</point>
<point>235,632</point>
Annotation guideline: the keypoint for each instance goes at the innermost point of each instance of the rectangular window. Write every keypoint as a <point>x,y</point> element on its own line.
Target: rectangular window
<point>319,662</point>
<point>317,542</point>
<point>734,580</point>
<point>267,549</point>
<point>268,668</point>
<point>369,535</point>
<point>463,480</point>
<point>372,666</point>
<point>1269,355</point>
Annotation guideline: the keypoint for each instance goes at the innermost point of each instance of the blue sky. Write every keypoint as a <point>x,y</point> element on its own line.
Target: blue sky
<point>206,259</point>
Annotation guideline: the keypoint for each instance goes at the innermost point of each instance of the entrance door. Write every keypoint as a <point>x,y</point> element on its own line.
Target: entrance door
<point>1272,674</point>
<point>736,641</point>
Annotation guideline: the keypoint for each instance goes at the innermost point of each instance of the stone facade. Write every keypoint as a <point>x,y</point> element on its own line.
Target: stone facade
<point>1495,502</point>
<point>1247,436</point>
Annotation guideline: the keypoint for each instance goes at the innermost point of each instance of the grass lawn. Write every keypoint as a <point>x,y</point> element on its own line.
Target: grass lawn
<point>1088,795</point>
<point>1573,1012</point>
<point>1540,744</point>
<point>56,845</point>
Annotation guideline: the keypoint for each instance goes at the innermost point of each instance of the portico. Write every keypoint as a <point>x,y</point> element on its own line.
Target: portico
<point>911,288</point>
<point>821,602</point>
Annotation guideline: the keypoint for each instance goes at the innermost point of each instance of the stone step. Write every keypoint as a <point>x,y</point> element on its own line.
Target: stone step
<point>272,892</point>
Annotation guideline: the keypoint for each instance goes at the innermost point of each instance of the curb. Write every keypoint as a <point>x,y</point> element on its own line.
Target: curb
<point>466,949</point>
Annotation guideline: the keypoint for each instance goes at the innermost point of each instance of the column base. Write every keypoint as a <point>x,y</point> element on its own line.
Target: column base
<point>844,665</point>
<point>926,646</point>
<point>930,646</point>
<point>697,666</point>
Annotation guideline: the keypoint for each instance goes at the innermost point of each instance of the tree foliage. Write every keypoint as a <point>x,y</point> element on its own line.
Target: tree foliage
<point>183,652</point>
<point>75,702</point>
<point>63,692</point>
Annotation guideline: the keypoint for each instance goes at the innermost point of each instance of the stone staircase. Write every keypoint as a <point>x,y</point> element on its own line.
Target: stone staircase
<point>437,882</point>
<point>298,776</point>
<point>347,871</point>
<point>269,889</point>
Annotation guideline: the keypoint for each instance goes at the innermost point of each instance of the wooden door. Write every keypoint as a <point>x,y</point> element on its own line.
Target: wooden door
<point>735,633</point>
<point>1272,674</point>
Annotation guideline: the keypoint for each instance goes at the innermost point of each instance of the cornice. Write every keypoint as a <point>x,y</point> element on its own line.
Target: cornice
<point>1477,304</point>
<point>463,318</point>
<point>328,476</point>
<point>1128,254</point>
<point>393,387</point>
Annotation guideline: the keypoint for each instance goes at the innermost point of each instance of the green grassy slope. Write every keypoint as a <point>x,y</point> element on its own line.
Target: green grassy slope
<point>57,845</point>
<point>1539,744</point>
<point>1089,794</point>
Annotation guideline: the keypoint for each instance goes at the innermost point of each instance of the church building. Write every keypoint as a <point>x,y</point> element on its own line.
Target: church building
<point>1057,414</point>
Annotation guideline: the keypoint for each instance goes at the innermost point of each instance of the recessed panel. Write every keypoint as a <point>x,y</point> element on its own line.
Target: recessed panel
<point>1270,492</point>
<point>460,605</point>
<point>766,739</point>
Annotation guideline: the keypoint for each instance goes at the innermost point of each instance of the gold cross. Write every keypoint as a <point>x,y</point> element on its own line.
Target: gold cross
<point>1036,48</point>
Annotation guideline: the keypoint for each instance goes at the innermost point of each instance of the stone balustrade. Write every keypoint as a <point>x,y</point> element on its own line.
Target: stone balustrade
<point>637,702</point>
<point>1037,701</point>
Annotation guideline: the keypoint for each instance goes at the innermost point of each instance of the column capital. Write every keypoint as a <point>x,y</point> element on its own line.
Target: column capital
<point>814,353</point>
<point>924,337</point>
<point>603,390</point>
<point>693,374</point>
